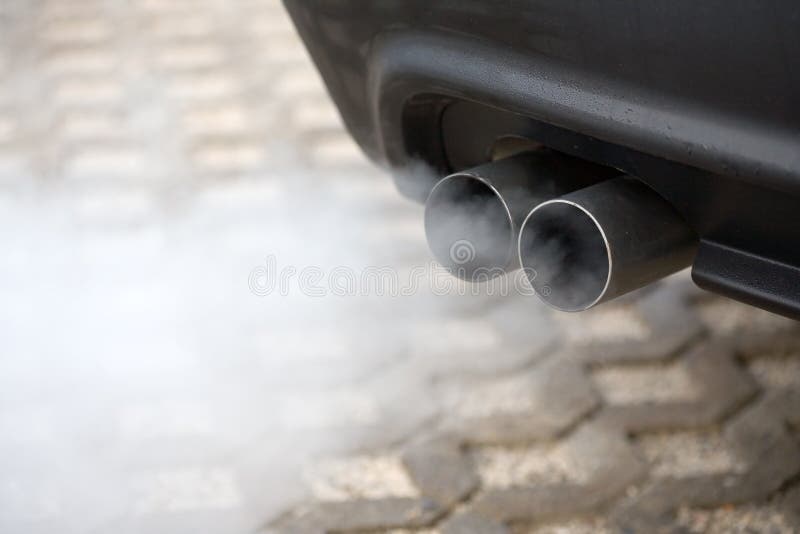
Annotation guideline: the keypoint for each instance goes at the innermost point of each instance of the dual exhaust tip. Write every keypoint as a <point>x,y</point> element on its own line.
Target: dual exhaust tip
<point>583,234</point>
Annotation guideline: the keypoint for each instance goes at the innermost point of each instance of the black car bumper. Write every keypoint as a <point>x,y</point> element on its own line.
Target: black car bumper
<point>699,100</point>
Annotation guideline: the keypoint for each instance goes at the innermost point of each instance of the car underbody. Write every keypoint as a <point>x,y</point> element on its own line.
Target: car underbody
<point>698,101</point>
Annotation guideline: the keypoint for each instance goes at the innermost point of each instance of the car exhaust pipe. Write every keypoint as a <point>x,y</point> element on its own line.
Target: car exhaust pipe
<point>472,218</point>
<point>602,242</point>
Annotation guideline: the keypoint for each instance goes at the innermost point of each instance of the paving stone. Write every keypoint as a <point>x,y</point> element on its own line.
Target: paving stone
<point>771,454</point>
<point>726,387</point>
<point>187,25</point>
<point>228,155</point>
<point>777,372</point>
<point>468,523</point>
<point>575,526</point>
<point>740,520</point>
<point>366,477</point>
<point>217,119</point>
<point>190,56</point>
<point>683,454</point>
<point>297,82</point>
<point>89,60</point>
<point>8,127</point>
<point>529,407</point>
<point>273,24</point>
<point>313,115</point>
<point>54,10</point>
<point>85,30</point>
<point>790,506</point>
<point>606,455</point>
<point>726,318</point>
<point>337,151</point>
<point>87,92</point>
<point>92,125</point>
<point>785,343</point>
<point>542,464</point>
<point>283,53</point>
<point>441,470</point>
<point>672,323</point>
<point>169,6</point>
<point>107,162</point>
<point>204,85</point>
<point>645,384</point>
<point>359,516</point>
<point>604,325</point>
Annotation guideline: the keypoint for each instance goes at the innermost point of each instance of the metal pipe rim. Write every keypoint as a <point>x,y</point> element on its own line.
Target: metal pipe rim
<point>512,226</point>
<point>606,244</point>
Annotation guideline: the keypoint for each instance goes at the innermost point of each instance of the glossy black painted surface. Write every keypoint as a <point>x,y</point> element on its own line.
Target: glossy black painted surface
<point>699,99</point>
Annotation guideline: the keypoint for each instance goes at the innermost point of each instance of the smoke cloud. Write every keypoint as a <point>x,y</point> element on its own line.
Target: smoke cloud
<point>144,385</point>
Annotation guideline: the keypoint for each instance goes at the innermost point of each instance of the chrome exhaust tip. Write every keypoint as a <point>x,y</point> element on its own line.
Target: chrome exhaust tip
<point>602,242</point>
<point>470,227</point>
<point>473,218</point>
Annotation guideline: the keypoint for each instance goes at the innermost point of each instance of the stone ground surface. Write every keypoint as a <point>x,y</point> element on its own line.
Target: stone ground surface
<point>153,155</point>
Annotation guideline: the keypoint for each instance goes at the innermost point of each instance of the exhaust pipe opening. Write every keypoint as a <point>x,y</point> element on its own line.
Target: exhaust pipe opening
<point>566,255</point>
<point>473,218</point>
<point>469,226</point>
<point>602,242</point>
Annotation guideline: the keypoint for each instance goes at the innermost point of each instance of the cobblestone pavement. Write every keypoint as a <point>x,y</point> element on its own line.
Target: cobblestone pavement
<point>153,153</point>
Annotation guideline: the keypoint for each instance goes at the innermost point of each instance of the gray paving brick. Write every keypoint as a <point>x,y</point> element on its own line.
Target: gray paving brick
<point>534,405</point>
<point>672,322</point>
<point>772,456</point>
<point>360,516</point>
<point>469,523</point>
<point>724,387</point>
<point>790,503</point>
<point>441,470</point>
<point>615,467</point>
